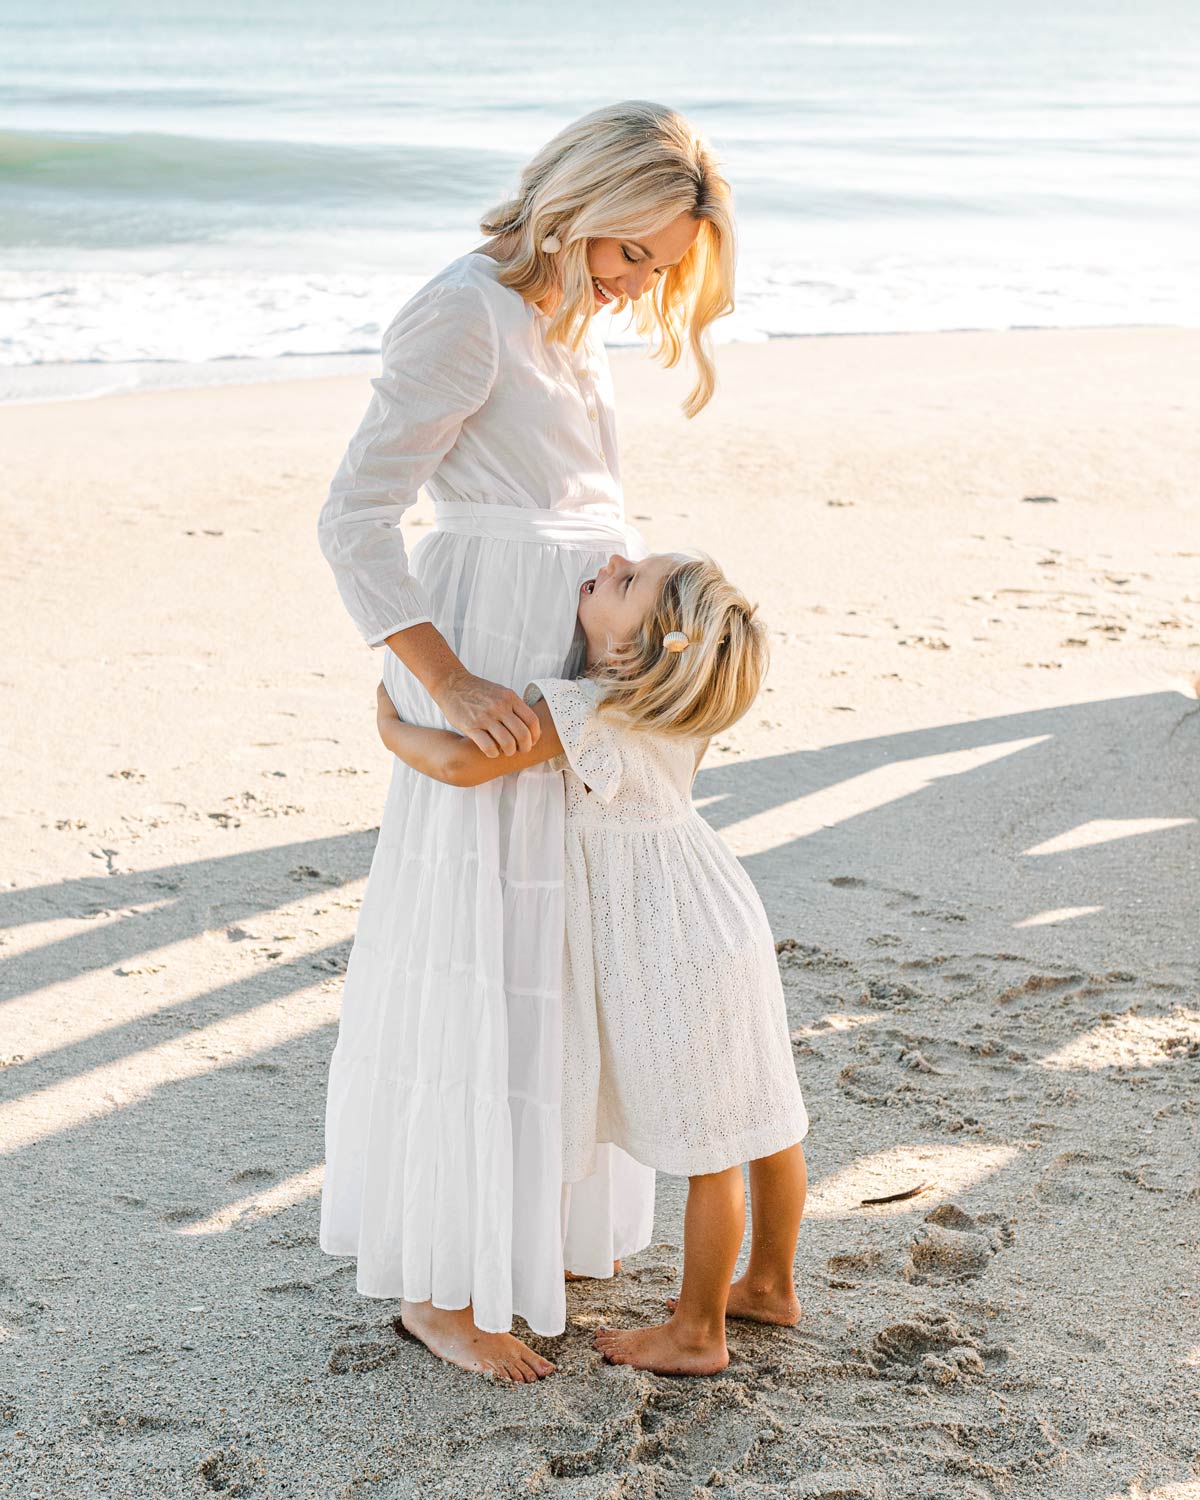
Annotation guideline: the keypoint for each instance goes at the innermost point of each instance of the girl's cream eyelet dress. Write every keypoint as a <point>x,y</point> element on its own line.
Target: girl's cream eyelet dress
<point>676,1039</point>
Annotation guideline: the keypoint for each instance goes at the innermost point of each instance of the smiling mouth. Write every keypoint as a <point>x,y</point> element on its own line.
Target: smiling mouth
<point>589,586</point>
<point>603,293</point>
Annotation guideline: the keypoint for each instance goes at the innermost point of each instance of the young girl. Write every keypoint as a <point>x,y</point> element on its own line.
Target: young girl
<point>675,1034</point>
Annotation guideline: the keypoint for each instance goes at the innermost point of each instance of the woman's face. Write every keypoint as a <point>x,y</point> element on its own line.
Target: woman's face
<point>625,267</point>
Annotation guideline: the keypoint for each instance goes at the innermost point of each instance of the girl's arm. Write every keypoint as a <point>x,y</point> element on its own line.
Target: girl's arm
<point>452,758</point>
<point>493,717</point>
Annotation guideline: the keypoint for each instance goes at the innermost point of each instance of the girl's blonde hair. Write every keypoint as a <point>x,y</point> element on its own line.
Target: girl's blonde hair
<point>704,688</point>
<point>625,171</point>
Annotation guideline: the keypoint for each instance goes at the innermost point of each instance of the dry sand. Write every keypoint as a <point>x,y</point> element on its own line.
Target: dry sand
<point>969,797</point>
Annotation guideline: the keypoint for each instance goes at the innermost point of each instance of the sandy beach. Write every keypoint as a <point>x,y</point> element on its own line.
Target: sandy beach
<point>969,796</point>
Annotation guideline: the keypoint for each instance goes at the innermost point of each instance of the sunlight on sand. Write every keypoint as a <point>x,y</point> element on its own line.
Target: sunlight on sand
<point>1058,914</point>
<point>35,1026</point>
<point>863,794</point>
<point>1104,831</point>
<point>261,1205</point>
<point>22,938</point>
<point>1131,1042</point>
<point>835,1021</point>
<point>949,1169</point>
<point>105,1090</point>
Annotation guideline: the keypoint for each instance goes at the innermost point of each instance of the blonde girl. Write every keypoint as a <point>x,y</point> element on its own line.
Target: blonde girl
<point>675,1036</point>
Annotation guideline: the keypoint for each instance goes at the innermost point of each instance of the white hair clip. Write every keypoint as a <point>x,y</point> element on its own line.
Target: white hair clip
<point>675,640</point>
<point>551,245</point>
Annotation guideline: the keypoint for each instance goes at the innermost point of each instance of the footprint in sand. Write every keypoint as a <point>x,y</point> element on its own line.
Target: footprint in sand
<point>356,1359</point>
<point>17,1308</point>
<point>1039,984</point>
<point>848,1271</point>
<point>184,1214</point>
<point>933,1347</point>
<point>954,1246</point>
<point>1073,1175</point>
<point>227,1471</point>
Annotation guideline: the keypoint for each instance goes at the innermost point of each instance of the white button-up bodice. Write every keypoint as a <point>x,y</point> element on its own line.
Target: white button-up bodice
<point>476,405</point>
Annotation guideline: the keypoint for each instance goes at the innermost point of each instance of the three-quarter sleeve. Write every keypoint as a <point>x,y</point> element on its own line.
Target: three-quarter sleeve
<point>439,356</point>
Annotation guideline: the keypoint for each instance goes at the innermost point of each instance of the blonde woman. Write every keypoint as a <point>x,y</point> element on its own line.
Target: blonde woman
<point>677,1047</point>
<point>443,1140</point>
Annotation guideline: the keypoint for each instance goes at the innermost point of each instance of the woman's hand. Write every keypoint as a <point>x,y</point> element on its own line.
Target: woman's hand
<point>492,717</point>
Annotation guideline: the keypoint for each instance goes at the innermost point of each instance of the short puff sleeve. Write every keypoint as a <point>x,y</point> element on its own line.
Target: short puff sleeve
<point>440,355</point>
<point>591,746</point>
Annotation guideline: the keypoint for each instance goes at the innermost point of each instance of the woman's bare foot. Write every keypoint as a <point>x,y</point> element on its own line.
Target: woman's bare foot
<point>452,1336</point>
<point>573,1276</point>
<point>667,1349</point>
<point>758,1303</point>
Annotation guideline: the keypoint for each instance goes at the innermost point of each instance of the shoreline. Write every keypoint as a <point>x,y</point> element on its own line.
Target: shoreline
<point>81,380</point>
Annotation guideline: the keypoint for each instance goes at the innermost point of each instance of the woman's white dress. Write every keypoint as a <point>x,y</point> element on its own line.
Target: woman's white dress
<point>443,1142</point>
<point>676,1039</point>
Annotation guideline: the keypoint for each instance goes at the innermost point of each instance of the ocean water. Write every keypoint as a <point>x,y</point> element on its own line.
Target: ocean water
<point>225,188</point>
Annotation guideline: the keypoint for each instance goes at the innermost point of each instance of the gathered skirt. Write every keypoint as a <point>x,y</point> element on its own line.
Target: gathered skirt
<point>443,1134</point>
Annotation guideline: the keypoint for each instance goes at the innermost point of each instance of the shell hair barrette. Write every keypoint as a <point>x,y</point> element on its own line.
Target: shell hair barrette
<point>675,640</point>
<point>551,245</point>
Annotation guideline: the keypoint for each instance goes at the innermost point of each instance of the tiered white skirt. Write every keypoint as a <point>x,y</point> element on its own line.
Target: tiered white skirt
<point>443,1142</point>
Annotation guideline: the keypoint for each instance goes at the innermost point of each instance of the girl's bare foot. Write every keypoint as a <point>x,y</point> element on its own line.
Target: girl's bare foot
<point>573,1276</point>
<point>452,1336</point>
<point>667,1349</point>
<point>759,1303</point>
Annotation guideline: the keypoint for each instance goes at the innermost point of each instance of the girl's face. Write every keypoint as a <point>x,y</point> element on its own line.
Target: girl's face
<point>613,604</point>
<point>624,267</point>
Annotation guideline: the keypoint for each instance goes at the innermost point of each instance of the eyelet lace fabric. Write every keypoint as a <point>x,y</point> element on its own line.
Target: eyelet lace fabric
<point>676,1044</point>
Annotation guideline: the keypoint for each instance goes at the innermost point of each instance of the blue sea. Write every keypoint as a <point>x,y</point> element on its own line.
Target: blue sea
<point>217,191</point>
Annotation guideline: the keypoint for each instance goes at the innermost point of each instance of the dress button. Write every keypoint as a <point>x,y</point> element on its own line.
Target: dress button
<point>593,414</point>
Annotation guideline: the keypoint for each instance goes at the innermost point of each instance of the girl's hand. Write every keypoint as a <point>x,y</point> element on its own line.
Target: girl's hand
<point>492,717</point>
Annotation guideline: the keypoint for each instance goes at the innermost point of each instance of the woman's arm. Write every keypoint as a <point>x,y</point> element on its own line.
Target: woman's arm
<point>450,757</point>
<point>498,723</point>
<point>439,359</point>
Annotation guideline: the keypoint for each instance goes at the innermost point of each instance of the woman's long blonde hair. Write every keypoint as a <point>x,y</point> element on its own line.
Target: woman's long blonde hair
<point>703,689</point>
<point>625,171</point>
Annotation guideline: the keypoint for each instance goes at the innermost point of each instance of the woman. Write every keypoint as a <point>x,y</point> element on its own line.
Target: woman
<point>443,1145</point>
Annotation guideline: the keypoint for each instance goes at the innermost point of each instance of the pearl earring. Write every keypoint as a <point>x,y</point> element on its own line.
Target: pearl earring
<point>551,245</point>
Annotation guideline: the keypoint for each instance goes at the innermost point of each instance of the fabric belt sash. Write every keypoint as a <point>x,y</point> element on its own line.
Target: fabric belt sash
<point>554,528</point>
